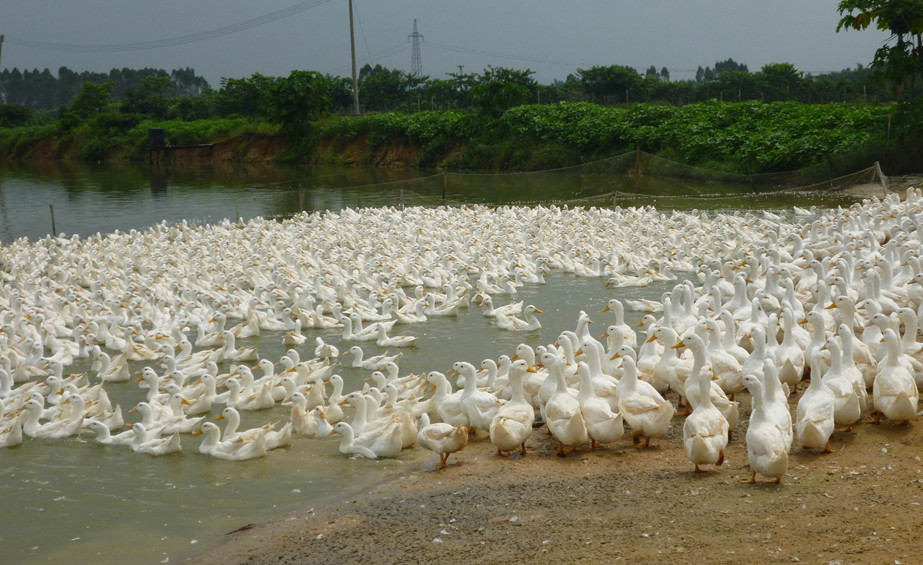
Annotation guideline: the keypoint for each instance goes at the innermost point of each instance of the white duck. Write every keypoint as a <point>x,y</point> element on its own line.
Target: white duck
<point>447,405</point>
<point>303,422</point>
<point>325,350</point>
<point>814,417</point>
<point>706,430</point>
<point>12,435</point>
<point>260,399</point>
<point>230,432</point>
<point>526,324</point>
<point>562,411</point>
<point>602,425</point>
<point>512,425</point>
<point>671,371</point>
<point>510,309</point>
<point>179,422</point>
<point>789,357</point>
<point>384,340</point>
<point>628,334</point>
<point>368,334</point>
<point>63,426</point>
<point>371,363</point>
<point>894,393</point>
<point>846,408</point>
<point>230,450</point>
<point>479,407</point>
<point>104,436</point>
<point>230,351</point>
<point>728,408</point>
<point>441,438</point>
<point>647,412</point>
<point>775,403</point>
<point>144,443</point>
<point>113,370</point>
<point>380,442</point>
<point>727,370</point>
<point>767,447</point>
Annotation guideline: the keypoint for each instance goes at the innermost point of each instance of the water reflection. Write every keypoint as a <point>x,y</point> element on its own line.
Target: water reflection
<point>93,198</point>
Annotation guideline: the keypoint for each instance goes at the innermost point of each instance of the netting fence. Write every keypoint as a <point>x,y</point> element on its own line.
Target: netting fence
<point>633,178</point>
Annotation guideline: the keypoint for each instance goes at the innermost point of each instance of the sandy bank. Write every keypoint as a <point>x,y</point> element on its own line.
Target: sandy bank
<point>858,505</point>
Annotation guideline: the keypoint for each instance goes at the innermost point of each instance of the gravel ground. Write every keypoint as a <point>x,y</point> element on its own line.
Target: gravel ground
<point>860,504</point>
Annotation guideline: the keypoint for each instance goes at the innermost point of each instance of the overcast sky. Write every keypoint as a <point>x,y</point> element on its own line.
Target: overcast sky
<point>552,37</point>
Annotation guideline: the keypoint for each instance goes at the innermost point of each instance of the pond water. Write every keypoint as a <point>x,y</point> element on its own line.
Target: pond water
<point>88,199</point>
<point>77,502</point>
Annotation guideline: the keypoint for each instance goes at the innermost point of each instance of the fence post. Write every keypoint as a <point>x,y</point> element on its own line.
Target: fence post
<point>300,198</point>
<point>54,232</point>
<point>445,181</point>
<point>401,198</point>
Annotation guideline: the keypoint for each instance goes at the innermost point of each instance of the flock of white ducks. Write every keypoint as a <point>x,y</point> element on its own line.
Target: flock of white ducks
<point>832,295</point>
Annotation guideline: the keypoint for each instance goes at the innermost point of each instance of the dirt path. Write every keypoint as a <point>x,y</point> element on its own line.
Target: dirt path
<point>858,505</point>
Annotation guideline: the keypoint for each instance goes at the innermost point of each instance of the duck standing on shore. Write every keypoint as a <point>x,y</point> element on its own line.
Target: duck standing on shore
<point>444,439</point>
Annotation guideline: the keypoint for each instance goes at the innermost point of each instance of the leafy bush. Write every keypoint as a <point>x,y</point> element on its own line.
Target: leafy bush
<point>14,115</point>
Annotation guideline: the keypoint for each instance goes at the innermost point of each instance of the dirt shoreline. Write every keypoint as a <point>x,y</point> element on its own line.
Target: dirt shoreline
<point>860,504</point>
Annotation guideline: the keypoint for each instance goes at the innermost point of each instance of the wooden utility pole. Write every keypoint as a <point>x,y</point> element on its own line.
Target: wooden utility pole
<point>352,46</point>
<point>1,49</point>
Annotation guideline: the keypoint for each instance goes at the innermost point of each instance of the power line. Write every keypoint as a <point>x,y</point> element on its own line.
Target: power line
<point>500,55</point>
<point>169,42</point>
<point>362,30</point>
<point>526,58</point>
<point>377,55</point>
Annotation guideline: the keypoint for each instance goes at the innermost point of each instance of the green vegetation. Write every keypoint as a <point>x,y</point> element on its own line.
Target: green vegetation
<point>900,63</point>
<point>743,137</point>
<point>727,117</point>
<point>746,137</point>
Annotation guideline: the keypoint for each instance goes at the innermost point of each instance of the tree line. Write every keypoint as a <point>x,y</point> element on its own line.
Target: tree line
<point>42,90</point>
<point>489,91</point>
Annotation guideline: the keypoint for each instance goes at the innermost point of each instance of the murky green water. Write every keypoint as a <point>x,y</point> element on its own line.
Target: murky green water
<point>88,199</point>
<point>72,501</point>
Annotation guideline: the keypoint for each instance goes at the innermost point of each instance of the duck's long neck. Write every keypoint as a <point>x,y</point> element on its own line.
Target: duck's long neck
<point>337,393</point>
<point>491,375</point>
<point>704,383</point>
<point>517,396</point>
<point>699,356</point>
<point>233,419</point>
<point>347,435</point>
<point>586,384</point>
<point>234,392</point>
<point>892,349</point>
<point>846,341</point>
<point>471,383</point>
<point>729,338</point>
<point>909,338</point>
<point>359,419</point>
<point>619,313</point>
<point>759,402</point>
<point>592,358</point>
<point>817,369</point>
<point>558,375</point>
<point>211,438</point>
